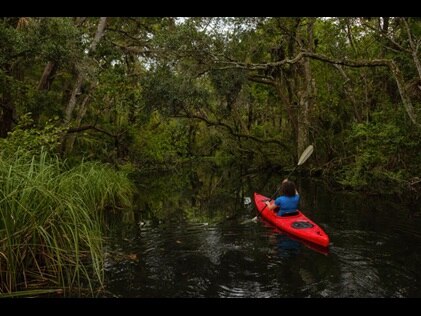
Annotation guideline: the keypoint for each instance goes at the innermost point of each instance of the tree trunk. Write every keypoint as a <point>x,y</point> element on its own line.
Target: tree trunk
<point>76,89</point>
<point>250,116</point>
<point>73,98</point>
<point>417,62</point>
<point>349,91</point>
<point>306,94</point>
<point>385,27</point>
<point>404,96</point>
<point>46,78</point>
<point>70,140</point>
<point>78,84</point>
<point>414,48</point>
<point>288,102</point>
<point>306,101</point>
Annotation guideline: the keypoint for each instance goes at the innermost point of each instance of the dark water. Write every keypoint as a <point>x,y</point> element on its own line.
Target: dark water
<point>191,236</point>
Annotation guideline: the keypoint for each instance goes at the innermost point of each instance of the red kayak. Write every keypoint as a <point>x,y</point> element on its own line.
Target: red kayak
<point>297,224</point>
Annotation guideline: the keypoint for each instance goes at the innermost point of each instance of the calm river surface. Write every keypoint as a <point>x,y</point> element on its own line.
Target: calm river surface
<point>190,235</point>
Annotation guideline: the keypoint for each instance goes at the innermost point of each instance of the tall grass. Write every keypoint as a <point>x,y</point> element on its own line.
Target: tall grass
<point>51,222</point>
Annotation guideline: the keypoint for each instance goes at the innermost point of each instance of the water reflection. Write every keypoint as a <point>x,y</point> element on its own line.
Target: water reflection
<point>191,235</point>
<point>286,246</point>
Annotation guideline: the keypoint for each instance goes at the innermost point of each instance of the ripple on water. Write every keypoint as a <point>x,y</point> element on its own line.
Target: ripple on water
<point>369,266</point>
<point>245,290</point>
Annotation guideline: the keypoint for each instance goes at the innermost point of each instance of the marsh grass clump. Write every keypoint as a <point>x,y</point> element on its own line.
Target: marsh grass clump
<point>51,222</point>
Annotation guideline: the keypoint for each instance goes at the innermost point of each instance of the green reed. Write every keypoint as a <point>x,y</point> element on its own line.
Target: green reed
<point>51,222</point>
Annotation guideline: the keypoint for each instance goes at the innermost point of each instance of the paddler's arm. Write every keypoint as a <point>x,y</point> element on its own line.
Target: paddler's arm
<point>270,205</point>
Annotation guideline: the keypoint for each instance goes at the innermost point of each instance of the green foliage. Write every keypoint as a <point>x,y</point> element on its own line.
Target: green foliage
<point>162,141</point>
<point>50,223</point>
<point>59,39</point>
<point>170,93</point>
<point>149,76</point>
<point>382,147</point>
<point>228,83</point>
<point>29,139</point>
<point>206,141</point>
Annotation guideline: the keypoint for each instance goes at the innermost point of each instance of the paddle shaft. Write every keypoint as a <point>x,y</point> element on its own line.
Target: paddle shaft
<point>303,158</point>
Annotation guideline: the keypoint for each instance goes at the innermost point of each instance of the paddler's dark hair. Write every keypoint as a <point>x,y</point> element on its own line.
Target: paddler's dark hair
<point>288,188</point>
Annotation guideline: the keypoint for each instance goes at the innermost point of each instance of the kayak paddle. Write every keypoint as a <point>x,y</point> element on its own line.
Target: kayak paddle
<point>303,158</point>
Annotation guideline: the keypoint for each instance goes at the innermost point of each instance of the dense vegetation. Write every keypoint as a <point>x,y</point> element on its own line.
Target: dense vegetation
<point>151,93</point>
<point>155,91</point>
<point>51,219</point>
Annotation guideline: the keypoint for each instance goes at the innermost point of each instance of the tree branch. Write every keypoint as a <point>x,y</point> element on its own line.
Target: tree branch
<point>262,79</point>
<point>132,49</point>
<point>384,35</point>
<point>231,131</point>
<point>344,62</point>
<point>87,127</point>
<point>321,57</point>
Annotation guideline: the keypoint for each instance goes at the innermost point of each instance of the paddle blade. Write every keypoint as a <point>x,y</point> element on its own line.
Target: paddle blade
<point>305,155</point>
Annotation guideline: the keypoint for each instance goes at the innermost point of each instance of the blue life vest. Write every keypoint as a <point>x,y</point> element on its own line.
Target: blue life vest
<point>287,204</point>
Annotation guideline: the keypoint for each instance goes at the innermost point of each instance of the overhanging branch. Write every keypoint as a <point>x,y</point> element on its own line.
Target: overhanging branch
<point>231,131</point>
<point>87,127</point>
<point>394,68</point>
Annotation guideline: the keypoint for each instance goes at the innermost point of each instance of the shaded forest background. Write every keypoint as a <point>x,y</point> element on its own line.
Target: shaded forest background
<point>148,93</point>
